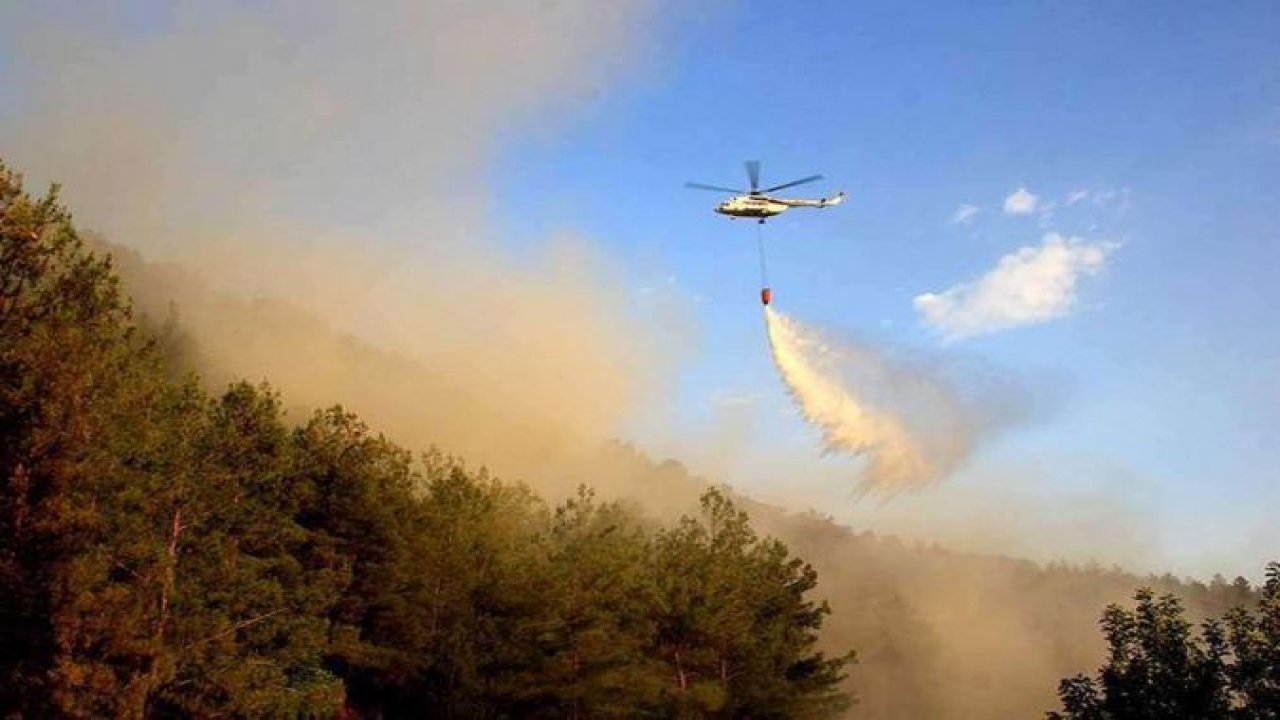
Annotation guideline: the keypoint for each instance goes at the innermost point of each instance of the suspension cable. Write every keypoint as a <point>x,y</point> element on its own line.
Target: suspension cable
<point>764,269</point>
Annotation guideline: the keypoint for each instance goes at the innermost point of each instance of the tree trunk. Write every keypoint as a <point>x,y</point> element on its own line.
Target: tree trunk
<point>170,572</point>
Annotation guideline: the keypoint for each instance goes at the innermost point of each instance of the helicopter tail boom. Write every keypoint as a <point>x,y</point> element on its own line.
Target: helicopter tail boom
<point>819,203</point>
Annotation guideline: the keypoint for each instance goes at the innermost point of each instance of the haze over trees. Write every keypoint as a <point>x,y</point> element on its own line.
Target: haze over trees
<point>174,546</point>
<point>165,552</point>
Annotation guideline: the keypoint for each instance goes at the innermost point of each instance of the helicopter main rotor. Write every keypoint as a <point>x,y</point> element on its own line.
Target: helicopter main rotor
<point>753,174</point>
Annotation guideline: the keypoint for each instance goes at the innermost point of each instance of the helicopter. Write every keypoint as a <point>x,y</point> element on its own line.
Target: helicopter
<point>757,203</point>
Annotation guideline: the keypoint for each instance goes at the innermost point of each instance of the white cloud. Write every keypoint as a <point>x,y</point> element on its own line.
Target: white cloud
<point>1021,202</point>
<point>1028,286</point>
<point>965,214</point>
<point>1108,198</point>
<point>1116,198</point>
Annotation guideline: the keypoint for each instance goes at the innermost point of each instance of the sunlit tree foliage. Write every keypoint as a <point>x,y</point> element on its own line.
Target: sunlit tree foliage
<point>165,553</point>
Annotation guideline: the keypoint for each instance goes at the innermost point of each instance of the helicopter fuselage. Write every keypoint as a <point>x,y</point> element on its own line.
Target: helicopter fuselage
<point>760,206</point>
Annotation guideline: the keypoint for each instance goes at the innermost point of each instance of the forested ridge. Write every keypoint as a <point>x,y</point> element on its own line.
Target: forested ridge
<point>174,545</point>
<point>167,552</point>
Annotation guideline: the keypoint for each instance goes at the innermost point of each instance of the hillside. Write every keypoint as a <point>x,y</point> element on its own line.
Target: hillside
<point>169,551</point>
<point>939,634</point>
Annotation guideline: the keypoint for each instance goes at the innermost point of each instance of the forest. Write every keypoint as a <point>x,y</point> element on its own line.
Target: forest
<point>176,541</point>
<point>170,553</point>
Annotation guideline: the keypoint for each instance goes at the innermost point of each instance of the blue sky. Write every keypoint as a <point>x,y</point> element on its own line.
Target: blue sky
<point>1167,368</point>
<point>1149,133</point>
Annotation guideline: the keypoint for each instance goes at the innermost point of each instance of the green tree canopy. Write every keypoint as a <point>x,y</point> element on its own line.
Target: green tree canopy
<point>168,552</point>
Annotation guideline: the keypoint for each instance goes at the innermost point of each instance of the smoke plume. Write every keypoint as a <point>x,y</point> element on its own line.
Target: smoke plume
<point>912,427</point>
<point>309,184</point>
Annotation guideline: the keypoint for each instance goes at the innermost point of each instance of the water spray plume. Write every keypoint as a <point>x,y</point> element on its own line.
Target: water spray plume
<point>810,367</point>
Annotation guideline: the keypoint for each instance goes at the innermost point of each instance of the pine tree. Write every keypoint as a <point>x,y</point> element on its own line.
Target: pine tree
<point>247,617</point>
<point>357,501</point>
<point>735,627</point>
<point>75,383</point>
<point>585,645</point>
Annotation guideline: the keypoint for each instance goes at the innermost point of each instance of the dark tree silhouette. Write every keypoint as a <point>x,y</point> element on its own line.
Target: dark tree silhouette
<point>1158,667</point>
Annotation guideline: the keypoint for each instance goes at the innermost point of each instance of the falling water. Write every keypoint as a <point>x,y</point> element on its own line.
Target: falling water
<point>900,454</point>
